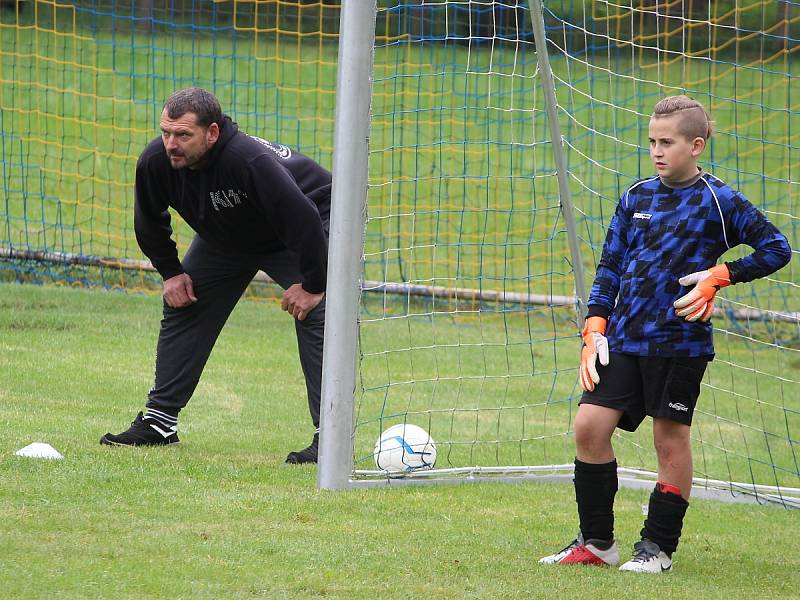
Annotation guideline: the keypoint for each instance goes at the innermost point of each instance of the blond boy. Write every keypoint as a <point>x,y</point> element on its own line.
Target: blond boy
<point>648,336</point>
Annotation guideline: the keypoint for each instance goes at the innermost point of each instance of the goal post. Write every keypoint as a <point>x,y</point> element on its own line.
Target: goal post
<point>565,196</point>
<point>472,273</point>
<point>348,200</point>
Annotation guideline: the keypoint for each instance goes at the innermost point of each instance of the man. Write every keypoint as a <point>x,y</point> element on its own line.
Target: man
<point>254,205</point>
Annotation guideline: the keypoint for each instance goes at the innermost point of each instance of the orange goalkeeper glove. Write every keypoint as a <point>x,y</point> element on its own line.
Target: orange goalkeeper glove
<point>699,303</point>
<point>595,345</point>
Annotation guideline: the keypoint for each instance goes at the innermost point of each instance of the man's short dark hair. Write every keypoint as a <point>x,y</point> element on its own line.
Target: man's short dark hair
<point>195,100</point>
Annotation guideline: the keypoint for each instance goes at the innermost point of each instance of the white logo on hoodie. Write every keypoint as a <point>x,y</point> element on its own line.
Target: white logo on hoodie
<point>282,151</point>
<point>226,198</point>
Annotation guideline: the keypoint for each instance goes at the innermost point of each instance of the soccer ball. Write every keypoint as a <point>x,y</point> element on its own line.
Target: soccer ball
<point>405,447</point>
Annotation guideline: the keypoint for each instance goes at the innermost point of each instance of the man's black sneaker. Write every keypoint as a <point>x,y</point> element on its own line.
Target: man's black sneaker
<point>306,455</point>
<point>143,432</point>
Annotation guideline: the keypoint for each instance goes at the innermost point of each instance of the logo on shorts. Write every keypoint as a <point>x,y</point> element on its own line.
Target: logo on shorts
<point>642,216</point>
<point>678,406</point>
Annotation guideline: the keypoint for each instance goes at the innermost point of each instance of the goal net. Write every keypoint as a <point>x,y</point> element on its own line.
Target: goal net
<point>82,85</point>
<point>468,323</point>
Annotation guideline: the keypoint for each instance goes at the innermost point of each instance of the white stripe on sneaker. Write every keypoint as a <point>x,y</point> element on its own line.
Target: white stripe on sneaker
<point>165,434</point>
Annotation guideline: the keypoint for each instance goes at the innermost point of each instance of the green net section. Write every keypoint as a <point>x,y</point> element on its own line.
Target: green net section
<point>481,347</point>
<point>81,89</point>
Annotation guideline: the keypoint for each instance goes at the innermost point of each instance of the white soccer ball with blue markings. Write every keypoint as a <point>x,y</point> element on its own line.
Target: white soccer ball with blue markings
<point>405,447</point>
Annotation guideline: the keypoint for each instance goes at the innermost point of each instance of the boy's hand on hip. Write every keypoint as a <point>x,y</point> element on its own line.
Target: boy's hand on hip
<point>179,291</point>
<point>699,303</point>
<point>595,345</point>
<point>299,302</point>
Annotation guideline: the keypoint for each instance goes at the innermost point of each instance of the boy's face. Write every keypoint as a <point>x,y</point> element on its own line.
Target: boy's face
<point>673,155</point>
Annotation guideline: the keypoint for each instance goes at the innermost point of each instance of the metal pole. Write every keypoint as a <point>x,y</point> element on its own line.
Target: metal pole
<point>348,201</point>
<point>567,208</point>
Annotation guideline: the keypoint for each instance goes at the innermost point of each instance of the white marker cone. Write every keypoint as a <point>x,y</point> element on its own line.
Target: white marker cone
<point>39,450</point>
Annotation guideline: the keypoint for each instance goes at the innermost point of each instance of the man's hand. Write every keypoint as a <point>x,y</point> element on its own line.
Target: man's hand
<point>178,291</point>
<point>299,302</point>
<point>595,345</point>
<point>699,303</point>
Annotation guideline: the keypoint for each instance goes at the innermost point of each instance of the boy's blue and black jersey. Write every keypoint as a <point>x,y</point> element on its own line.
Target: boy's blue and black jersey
<point>659,234</point>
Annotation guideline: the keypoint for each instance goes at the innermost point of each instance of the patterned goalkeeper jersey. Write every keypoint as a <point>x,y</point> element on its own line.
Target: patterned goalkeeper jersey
<point>659,234</point>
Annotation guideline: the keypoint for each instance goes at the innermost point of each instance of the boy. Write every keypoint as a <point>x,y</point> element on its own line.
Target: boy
<point>648,323</point>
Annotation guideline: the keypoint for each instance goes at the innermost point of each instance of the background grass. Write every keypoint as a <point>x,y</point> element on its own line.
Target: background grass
<point>221,516</point>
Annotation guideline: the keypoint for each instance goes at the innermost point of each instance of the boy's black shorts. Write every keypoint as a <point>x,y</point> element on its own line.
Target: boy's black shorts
<point>649,385</point>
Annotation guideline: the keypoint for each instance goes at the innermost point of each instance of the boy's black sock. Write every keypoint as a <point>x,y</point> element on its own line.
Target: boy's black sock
<point>664,520</point>
<point>595,488</point>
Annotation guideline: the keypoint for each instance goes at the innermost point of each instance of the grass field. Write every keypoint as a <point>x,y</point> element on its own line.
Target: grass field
<point>221,516</point>
<point>462,194</point>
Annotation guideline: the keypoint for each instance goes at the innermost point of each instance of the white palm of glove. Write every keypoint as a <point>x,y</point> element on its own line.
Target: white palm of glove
<point>698,304</point>
<point>596,346</point>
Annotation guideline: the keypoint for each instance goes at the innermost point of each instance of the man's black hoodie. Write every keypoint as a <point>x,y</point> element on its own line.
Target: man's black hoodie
<point>248,195</point>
